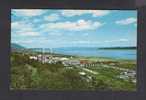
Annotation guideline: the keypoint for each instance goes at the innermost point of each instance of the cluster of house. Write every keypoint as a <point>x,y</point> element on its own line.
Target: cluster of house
<point>125,74</point>
<point>47,58</point>
<point>64,60</point>
<point>131,74</point>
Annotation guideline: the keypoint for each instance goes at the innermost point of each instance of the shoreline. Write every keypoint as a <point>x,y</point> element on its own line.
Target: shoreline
<point>84,57</point>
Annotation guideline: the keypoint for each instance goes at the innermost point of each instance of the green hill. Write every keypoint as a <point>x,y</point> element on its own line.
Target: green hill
<point>16,46</point>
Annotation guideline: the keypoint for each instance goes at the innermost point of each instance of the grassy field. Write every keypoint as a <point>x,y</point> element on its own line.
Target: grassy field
<point>29,74</point>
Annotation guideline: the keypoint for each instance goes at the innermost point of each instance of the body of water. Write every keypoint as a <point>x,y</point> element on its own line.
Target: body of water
<point>88,52</point>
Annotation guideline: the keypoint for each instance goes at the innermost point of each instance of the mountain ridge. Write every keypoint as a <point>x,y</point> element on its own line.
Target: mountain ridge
<point>16,46</point>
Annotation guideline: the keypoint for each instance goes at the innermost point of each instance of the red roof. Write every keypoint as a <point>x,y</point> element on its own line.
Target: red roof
<point>84,61</point>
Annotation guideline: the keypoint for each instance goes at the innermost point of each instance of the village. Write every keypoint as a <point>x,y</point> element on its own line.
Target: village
<point>85,65</point>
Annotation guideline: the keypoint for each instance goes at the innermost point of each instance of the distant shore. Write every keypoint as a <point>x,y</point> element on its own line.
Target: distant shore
<point>119,48</point>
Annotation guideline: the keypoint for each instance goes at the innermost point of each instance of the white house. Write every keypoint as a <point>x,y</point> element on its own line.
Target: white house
<point>70,62</point>
<point>33,57</point>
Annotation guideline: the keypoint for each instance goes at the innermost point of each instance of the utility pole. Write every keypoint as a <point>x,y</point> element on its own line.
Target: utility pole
<point>43,57</point>
<point>51,52</point>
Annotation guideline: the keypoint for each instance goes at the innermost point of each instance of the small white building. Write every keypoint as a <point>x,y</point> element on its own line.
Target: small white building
<point>63,59</point>
<point>33,58</point>
<point>71,62</point>
<point>82,73</point>
<point>125,77</point>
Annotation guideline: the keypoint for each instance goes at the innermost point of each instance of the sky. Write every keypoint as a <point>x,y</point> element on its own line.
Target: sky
<point>53,28</point>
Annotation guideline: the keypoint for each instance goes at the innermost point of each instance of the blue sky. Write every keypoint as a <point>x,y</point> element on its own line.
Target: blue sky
<point>45,28</point>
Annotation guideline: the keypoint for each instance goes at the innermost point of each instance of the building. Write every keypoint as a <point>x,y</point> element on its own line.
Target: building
<point>33,58</point>
<point>87,63</point>
<point>71,62</point>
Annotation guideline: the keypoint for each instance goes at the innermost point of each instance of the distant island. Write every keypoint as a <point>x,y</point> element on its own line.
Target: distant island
<point>118,48</point>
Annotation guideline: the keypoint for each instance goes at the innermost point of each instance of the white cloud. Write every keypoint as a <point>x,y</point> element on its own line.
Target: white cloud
<point>123,40</point>
<point>23,29</point>
<point>15,25</point>
<point>126,21</point>
<point>52,17</point>
<point>94,13</point>
<point>28,33</point>
<point>119,40</point>
<point>70,13</point>
<point>27,12</point>
<point>73,26</point>
<point>97,13</point>
<point>21,25</point>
